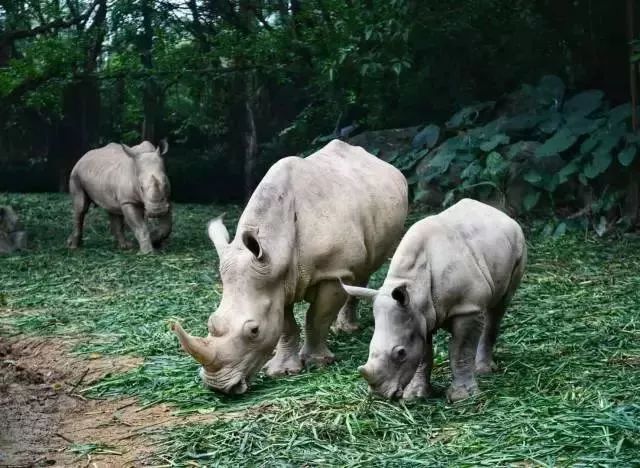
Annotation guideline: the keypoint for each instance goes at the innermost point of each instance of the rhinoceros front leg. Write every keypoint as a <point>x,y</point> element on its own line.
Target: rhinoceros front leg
<point>116,223</point>
<point>80,202</point>
<point>322,312</point>
<point>466,331</point>
<point>134,216</point>
<point>160,230</point>
<point>286,360</point>
<point>420,385</point>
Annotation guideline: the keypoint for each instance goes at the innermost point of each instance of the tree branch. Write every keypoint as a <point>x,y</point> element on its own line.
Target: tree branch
<point>10,36</point>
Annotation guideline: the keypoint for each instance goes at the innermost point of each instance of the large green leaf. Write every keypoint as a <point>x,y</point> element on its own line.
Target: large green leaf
<point>551,124</point>
<point>581,125</point>
<point>441,161</point>
<point>530,200</point>
<point>568,170</point>
<point>471,171</point>
<point>592,142</point>
<point>522,122</point>
<point>550,91</point>
<point>495,164</point>
<point>584,104</point>
<point>532,176</point>
<point>468,115</point>
<point>627,155</point>
<point>428,137</point>
<point>599,164</point>
<point>561,141</point>
<point>620,114</point>
<point>494,142</point>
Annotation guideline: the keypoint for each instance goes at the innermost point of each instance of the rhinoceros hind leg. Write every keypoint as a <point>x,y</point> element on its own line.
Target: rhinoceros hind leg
<point>347,320</point>
<point>286,360</point>
<point>116,223</point>
<point>322,312</point>
<point>134,216</point>
<point>484,356</point>
<point>466,330</point>
<point>80,202</point>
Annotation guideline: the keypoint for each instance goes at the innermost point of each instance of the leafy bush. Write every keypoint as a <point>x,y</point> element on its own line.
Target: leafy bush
<point>533,150</point>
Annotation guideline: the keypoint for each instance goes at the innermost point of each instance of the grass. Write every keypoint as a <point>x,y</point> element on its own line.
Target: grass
<point>567,393</point>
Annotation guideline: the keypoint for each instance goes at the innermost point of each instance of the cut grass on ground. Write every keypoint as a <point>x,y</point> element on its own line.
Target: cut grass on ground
<point>567,391</point>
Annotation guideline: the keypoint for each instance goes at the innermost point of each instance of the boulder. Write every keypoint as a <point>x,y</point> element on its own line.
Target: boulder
<point>12,234</point>
<point>386,143</point>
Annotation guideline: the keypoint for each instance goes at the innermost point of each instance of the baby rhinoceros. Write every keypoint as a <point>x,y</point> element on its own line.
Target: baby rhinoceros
<point>456,270</point>
<point>131,184</point>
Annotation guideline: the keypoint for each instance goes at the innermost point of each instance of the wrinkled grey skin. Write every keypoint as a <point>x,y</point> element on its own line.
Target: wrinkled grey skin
<point>131,184</point>
<point>12,234</point>
<point>338,213</point>
<point>457,270</point>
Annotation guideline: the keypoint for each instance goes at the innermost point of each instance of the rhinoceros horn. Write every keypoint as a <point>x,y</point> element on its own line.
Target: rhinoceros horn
<point>218,234</point>
<point>199,348</point>
<point>356,291</point>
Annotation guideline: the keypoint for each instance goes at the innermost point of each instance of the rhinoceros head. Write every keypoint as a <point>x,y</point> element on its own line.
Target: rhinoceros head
<point>151,177</point>
<point>245,328</point>
<point>398,341</point>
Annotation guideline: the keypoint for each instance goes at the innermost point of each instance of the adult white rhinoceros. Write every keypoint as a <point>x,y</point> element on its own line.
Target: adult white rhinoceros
<point>131,184</point>
<point>337,214</point>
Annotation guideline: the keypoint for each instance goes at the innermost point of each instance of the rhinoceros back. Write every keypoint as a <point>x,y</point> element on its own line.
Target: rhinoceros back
<point>347,209</point>
<point>107,175</point>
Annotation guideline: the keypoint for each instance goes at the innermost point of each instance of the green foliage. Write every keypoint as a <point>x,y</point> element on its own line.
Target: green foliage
<point>553,154</point>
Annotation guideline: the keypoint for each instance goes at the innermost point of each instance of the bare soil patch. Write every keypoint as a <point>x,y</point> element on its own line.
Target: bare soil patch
<point>45,421</point>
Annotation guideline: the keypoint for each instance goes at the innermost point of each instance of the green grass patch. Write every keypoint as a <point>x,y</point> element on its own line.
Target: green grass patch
<point>567,392</point>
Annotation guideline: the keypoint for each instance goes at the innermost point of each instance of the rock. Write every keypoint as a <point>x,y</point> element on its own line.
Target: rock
<point>386,143</point>
<point>12,234</point>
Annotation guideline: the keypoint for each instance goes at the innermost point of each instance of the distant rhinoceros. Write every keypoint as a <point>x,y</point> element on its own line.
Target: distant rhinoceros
<point>338,213</point>
<point>457,270</point>
<point>131,184</point>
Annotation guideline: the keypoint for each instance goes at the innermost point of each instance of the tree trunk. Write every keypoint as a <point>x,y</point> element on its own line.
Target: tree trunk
<point>151,92</point>
<point>79,130</point>
<point>250,146</point>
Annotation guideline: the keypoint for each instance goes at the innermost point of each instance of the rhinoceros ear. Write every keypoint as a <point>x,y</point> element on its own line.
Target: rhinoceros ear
<point>356,291</point>
<point>250,241</point>
<point>163,147</point>
<point>218,234</point>
<point>128,151</point>
<point>400,295</point>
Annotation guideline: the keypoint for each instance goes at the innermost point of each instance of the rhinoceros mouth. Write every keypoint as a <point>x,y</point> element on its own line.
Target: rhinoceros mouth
<point>389,392</point>
<point>235,386</point>
<point>156,211</point>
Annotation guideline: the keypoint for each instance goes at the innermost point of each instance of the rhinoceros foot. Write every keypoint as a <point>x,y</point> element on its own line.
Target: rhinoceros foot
<point>462,392</point>
<point>282,364</point>
<point>344,326</point>
<point>316,357</point>
<point>484,368</point>
<point>126,245</point>
<point>417,390</point>
<point>146,250</point>
<point>73,242</point>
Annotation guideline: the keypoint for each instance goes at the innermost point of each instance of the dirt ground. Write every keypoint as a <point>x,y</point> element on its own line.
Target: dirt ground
<point>45,421</point>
